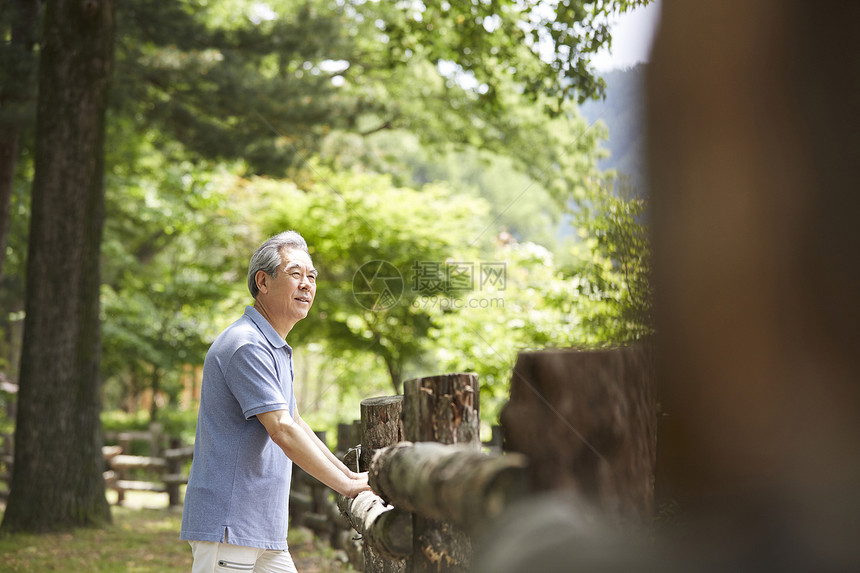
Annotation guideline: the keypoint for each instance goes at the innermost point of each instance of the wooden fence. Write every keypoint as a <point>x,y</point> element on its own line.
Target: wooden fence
<point>577,422</point>
<point>583,423</point>
<point>161,470</point>
<point>312,505</point>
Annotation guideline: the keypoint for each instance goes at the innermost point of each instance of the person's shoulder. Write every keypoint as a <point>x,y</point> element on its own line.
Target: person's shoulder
<point>241,333</point>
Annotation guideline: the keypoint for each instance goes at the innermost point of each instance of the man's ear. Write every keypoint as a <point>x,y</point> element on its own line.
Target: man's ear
<point>262,281</point>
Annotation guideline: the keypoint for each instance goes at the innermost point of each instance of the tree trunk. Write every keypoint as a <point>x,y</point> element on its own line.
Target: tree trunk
<point>395,372</point>
<point>16,96</point>
<point>441,409</point>
<point>8,156</point>
<point>452,483</point>
<point>57,479</point>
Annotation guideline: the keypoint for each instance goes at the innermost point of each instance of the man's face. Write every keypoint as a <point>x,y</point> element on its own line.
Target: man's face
<point>292,291</point>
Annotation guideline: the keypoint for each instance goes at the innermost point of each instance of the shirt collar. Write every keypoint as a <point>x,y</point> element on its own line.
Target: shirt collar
<point>266,328</point>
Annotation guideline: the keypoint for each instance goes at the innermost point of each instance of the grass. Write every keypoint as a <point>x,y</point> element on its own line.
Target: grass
<point>144,538</point>
<point>138,541</point>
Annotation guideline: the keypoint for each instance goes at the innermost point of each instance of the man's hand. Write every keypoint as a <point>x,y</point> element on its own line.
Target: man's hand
<point>358,484</point>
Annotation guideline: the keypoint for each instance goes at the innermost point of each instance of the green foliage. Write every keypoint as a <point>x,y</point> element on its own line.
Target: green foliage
<point>603,298</point>
<point>331,383</point>
<point>7,424</point>
<point>233,120</point>
<point>13,282</point>
<point>557,155</point>
<point>354,219</point>
<point>614,274</point>
<point>228,85</point>
<point>266,82</point>
<point>170,257</point>
<point>119,421</point>
<point>544,46</point>
<point>532,307</point>
<point>517,203</point>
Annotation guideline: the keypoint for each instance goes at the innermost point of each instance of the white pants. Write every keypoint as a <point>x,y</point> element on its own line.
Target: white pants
<point>212,557</point>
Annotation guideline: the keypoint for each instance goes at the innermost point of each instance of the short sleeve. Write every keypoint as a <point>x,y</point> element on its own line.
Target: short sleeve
<point>253,378</point>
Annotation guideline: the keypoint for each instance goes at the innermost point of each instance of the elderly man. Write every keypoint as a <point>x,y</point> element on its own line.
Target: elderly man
<point>249,431</point>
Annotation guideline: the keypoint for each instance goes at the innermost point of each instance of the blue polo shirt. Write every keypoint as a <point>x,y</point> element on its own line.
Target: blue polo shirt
<point>239,486</point>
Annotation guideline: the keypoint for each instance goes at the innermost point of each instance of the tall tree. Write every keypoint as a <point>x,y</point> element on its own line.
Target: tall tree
<point>57,476</point>
<point>18,25</point>
<point>265,82</point>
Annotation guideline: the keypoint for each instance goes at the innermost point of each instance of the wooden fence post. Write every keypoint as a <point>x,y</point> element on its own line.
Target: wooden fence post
<point>175,456</point>
<point>587,421</point>
<point>320,494</point>
<point>120,473</point>
<point>348,444</point>
<point>381,426</point>
<point>156,434</point>
<point>754,212</point>
<point>441,409</point>
<point>497,439</point>
<point>173,477</point>
<point>167,463</point>
<point>348,436</point>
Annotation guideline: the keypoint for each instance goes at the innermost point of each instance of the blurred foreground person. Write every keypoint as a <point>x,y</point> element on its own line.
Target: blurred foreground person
<point>753,152</point>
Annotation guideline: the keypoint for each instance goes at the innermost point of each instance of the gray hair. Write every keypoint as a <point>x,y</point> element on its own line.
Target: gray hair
<point>267,258</point>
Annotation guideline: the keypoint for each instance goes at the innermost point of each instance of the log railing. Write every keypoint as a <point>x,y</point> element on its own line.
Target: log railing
<point>450,483</point>
<point>312,506</point>
<point>160,471</point>
<point>429,491</point>
<point>446,483</point>
<point>577,422</point>
<point>163,466</point>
